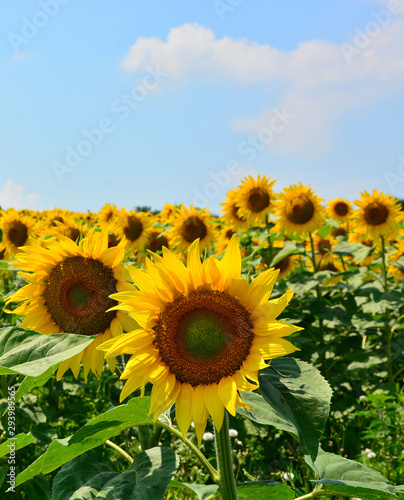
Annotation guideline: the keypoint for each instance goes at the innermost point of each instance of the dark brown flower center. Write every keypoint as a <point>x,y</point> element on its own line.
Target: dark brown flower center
<point>300,210</point>
<point>283,264</point>
<point>323,246</point>
<point>234,213</point>
<point>77,295</point>
<point>193,228</point>
<point>258,199</point>
<point>338,232</point>
<point>341,208</point>
<point>112,240</point>
<point>376,213</point>
<point>204,336</point>
<point>17,233</point>
<point>157,242</point>
<point>73,233</point>
<point>133,228</point>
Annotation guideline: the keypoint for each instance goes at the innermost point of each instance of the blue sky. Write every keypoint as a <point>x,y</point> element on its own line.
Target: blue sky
<point>142,103</point>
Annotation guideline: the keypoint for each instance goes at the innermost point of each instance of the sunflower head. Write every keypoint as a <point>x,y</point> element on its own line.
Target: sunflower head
<point>339,209</point>
<point>68,292</point>
<point>377,215</point>
<point>204,333</point>
<point>17,231</point>
<point>134,229</point>
<point>255,200</point>
<point>190,224</point>
<point>299,210</point>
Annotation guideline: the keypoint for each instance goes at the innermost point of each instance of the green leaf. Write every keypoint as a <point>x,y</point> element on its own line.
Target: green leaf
<point>340,475</point>
<point>93,434</point>
<point>74,475</point>
<point>19,441</point>
<point>147,478</point>
<point>261,490</point>
<point>299,394</point>
<point>202,491</point>
<point>31,353</point>
<point>262,413</point>
<point>289,248</point>
<point>37,488</point>
<point>30,383</point>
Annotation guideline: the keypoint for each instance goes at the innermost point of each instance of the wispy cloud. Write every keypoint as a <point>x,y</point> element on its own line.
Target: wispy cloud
<point>12,196</point>
<point>319,83</point>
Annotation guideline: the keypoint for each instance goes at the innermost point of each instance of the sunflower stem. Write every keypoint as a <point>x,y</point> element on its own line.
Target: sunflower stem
<point>313,256</point>
<point>227,483</point>
<point>389,333</point>
<point>213,473</point>
<point>119,450</point>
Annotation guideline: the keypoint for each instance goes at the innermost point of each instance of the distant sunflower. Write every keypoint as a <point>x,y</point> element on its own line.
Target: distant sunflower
<point>225,234</point>
<point>299,210</point>
<point>394,257</point>
<point>378,215</point>
<point>157,240</point>
<point>231,212</point>
<point>17,231</point>
<point>108,214</point>
<point>190,224</point>
<point>205,334</point>
<point>134,228</point>
<point>166,214</point>
<point>339,210</point>
<point>255,200</point>
<point>69,292</point>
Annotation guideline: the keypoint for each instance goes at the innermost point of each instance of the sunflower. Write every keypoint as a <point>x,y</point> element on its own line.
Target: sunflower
<point>204,334</point>
<point>134,229</point>
<point>255,200</point>
<point>224,236</point>
<point>190,224</point>
<point>339,210</point>
<point>108,213</point>
<point>17,231</point>
<point>299,210</point>
<point>231,212</point>
<point>157,240</point>
<point>377,215</point>
<point>69,292</point>
<point>165,215</point>
<point>394,257</point>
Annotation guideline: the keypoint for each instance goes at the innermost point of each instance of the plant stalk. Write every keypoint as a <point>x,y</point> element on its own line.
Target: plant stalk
<point>224,457</point>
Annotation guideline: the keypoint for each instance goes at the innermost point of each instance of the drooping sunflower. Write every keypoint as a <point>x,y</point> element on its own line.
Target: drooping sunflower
<point>17,231</point>
<point>339,210</point>
<point>69,292</point>
<point>231,212</point>
<point>255,200</point>
<point>378,215</point>
<point>299,210</point>
<point>204,334</point>
<point>133,228</point>
<point>190,224</point>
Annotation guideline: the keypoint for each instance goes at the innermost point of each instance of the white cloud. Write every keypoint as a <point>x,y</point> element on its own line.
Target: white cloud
<point>320,80</point>
<point>12,196</point>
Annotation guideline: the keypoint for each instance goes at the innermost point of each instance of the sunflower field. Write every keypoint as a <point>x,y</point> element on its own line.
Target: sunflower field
<point>175,354</point>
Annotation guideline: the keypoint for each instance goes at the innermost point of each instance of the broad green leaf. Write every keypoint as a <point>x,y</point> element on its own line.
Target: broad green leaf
<point>262,413</point>
<point>341,475</point>
<point>260,490</point>
<point>297,392</point>
<point>37,488</point>
<point>31,353</point>
<point>147,478</point>
<point>202,491</point>
<point>93,434</point>
<point>30,383</point>
<point>16,443</point>
<point>289,248</point>
<point>75,474</point>
<point>325,231</point>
